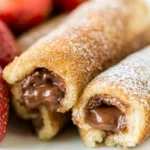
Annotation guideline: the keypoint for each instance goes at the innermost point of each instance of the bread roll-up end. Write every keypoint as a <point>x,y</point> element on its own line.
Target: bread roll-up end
<point>135,113</point>
<point>46,123</point>
<point>123,89</point>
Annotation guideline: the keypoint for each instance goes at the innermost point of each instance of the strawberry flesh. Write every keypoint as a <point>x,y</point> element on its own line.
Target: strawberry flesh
<point>7,45</point>
<point>21,15</point>
<point>3,106</point>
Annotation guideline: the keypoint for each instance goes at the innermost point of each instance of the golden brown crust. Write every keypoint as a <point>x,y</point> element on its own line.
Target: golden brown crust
<point>129,83</point>
<point>87,44</point>
<point>31,36</point>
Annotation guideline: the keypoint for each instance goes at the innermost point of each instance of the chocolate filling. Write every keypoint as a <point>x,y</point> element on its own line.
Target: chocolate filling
<point>101,114</point>
<point>42,87</point>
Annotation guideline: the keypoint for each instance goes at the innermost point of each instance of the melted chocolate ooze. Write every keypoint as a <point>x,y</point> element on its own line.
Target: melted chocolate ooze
<point>42,87</point>
<point>102,115</point>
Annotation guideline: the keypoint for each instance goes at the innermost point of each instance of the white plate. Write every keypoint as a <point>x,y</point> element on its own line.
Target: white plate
<point>19,136</point>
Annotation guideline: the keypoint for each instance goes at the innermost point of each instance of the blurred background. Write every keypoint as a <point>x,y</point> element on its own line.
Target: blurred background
<point>21,15</point>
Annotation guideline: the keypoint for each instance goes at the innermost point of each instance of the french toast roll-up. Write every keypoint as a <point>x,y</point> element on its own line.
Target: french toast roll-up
<point>115,106</point>
<point>47,79</point>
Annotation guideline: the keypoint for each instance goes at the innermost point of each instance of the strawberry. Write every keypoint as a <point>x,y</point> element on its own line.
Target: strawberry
<point>7,45</point>
<point>3,106</point>
<point>23,14</point>
<point>67,5</point>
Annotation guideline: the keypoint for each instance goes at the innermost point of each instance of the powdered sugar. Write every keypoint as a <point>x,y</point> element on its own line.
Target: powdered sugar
<point>132,75</point>
<point>91,37</point>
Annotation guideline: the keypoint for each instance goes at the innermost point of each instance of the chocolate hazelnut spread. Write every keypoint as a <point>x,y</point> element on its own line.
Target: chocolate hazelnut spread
<point>42,87</point>
<point>104,116</point>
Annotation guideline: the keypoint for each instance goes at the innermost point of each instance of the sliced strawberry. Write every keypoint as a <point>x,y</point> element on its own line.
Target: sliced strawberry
<point>7,45</point>
<point>23,14</point>
<point>3,106</point>
<point>67,5</point>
